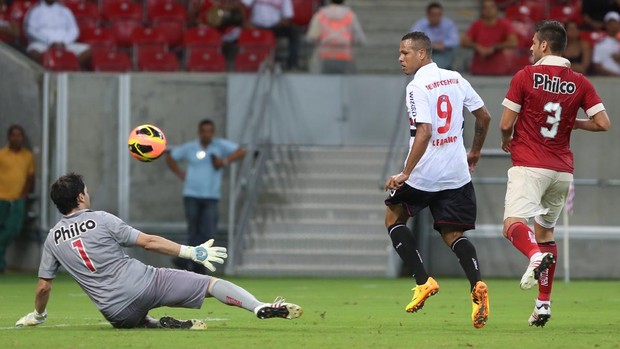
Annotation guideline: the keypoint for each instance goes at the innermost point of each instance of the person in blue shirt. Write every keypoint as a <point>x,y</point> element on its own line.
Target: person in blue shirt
<point>443,33</point>
<point>204,159</point>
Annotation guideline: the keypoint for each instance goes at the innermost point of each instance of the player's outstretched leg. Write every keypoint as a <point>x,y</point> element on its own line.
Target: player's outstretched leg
<point>480,304</point>
<point>538,263</point>
<point>541,314</point>
<point>278,309</point>
<point>421,294</point>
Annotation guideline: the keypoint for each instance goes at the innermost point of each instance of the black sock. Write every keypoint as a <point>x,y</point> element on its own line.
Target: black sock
<point>466,253</point>
<point>405,245</point>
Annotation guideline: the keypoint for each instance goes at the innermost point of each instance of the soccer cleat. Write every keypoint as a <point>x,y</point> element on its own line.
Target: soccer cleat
<point>480,304</point>
<point>540,315</point>
<point>421,294</point>
<point>537,266</point>
<point>170,322</point>
<point>279,308</point>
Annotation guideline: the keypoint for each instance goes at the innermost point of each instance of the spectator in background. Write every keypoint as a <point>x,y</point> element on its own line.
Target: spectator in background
<point>51,24</point>
<point>205,158</point>
<point>335,29</point>
<point>277,15</point>
<point>8,31</point>
<point>578,51</point>
<point>606,56</point>
<point>490,37</point>
<point>16,182</point>
<point>443,33</point>
<point>593,12</point>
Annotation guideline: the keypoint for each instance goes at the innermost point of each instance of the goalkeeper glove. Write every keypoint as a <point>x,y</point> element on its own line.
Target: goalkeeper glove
<point>204,254</point>
<point>32,319</point>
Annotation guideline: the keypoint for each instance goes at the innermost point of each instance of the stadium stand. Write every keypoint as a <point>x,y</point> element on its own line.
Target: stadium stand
<point>255,46</point>
<point>58,59</point>
<point>110,60</point>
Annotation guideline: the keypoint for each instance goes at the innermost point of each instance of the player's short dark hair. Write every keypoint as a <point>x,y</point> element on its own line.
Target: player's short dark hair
<point>339,2</point>
<point>553,33</point>
<point>419,41</point>
<point>65,192</point>
<point>15,127</point>
<point>206,122</point>
<point>433,5</point>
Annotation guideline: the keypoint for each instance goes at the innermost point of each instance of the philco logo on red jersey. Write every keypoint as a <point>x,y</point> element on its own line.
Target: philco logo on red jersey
<point>554,84</point>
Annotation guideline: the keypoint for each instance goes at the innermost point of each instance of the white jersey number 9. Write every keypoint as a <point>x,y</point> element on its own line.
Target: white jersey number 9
<point>553,120</point>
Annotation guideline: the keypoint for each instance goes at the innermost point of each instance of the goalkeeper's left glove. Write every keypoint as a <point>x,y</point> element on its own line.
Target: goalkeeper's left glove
<point>32,319</point>
<point>204,254</point>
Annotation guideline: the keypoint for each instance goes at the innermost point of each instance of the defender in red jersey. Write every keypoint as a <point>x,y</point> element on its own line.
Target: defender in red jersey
<point>540,112</point>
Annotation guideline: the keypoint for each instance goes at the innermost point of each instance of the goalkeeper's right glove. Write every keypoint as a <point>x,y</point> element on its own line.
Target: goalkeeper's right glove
<point>204,254</point>
<point>32,319</point>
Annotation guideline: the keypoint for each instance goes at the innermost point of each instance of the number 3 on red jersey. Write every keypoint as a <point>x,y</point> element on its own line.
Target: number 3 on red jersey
<point>79,247</point>
<point>555,109</point>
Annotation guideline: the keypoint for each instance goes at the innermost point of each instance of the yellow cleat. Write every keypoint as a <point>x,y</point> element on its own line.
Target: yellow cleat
<point>421,293</point>
<point>480,304</point>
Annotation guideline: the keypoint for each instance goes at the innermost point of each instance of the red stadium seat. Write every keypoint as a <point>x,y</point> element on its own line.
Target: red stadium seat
<point>110,60</point>
<point>104,6</point>
<point>250,60</point>
<point>202,36</point>
<point>124,18</point>
<point>171,17</point>
<point>255,46</point>
<point>161,61</point>
<point>17,12</point>
<point>303,11</point>
<point>86,13</point>
<point>526,12</point>
<point>592,36</point>
<point>524,32</point>
<point>566,13</point>
<point>148,39</point>
<point>256,38</point>
<point>98,38</point>
<point>60,60</point>
<point>205,59</point>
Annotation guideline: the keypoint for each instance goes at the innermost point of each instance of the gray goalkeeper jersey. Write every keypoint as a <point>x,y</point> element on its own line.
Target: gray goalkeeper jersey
<point>88,244</point>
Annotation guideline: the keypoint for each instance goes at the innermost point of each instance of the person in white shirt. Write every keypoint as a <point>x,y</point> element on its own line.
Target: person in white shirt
<point>436,173</point>
<point>277,15</point>
<point>606,54</point>
<point>51,24</point>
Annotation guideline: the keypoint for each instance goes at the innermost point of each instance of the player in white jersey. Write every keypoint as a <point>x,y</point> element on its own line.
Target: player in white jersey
<point>88,244</point>
<point>436,173</point>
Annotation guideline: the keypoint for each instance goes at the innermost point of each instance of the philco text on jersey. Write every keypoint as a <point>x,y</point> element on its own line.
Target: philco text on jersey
<point>73,230</point>
<point>554,84</point>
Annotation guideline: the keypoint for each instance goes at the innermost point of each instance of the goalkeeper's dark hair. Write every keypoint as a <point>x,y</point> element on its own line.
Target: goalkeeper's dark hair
<point>65,192</point>
<point>553,33</point>
<point>206,122</point>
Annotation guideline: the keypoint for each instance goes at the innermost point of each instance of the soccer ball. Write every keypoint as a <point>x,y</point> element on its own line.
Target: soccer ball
<point>146,143</point>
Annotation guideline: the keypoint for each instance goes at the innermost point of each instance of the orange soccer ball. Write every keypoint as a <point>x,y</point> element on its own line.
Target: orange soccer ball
<point>146,143</point>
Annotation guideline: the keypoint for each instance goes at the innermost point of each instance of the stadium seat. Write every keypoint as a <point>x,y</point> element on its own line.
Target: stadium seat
<point>524,32</point>
<point>162,61</point>
<point>250,60</point>
<point>202,36</point>
<point>592,36</point>
<point>60,60</point>
<point>147,41</point>
<point>98,38</point>
<point>256,38</point>
<point>526,12</point>
<point>255,46</point>
<point>110,60</point>
<point>566,13</point>
<point>124,17</point>
<point>104,6</point>
<point>204,59</point>
<point>86,14</point>
<point>171,17</point>
<point>17,12</point>
<point>303,11</point>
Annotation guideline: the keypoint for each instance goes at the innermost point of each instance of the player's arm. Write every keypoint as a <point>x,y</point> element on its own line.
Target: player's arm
<point>424,131</point>
<point>483,119</point>
<point>506,125</point>
<point>203,254</point>
<point>174,166</point>
<point>598,122</point>
<point>41,297</point>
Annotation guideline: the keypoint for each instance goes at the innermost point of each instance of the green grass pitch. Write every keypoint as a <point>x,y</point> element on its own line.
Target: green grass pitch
<point>338,313</point>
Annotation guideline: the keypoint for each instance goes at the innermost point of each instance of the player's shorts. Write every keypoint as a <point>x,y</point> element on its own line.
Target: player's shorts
<point>171,288</point>
<point>452,208</point>
<point>536,192</point>
<point>76,48</point>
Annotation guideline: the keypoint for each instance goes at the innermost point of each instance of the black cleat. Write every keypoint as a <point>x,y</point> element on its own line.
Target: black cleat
<point>279,309</point>
<point>170,322</point>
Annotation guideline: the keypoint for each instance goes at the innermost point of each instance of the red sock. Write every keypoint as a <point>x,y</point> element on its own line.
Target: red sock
<point>523,238</point>
<point>546,277</point>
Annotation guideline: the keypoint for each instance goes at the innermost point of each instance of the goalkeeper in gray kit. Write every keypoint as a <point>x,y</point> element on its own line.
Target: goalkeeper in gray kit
<point>88,244</point>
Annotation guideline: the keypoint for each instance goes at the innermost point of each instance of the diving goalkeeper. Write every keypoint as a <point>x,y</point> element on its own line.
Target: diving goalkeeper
<point>88,244</point>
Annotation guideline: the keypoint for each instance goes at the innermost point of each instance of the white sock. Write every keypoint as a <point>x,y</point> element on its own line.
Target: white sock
<point>535,256</point>
<point>231,294</point>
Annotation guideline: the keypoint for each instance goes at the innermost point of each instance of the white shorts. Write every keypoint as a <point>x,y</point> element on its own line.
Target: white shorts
<point>536,192</point>
<point>76,48</point>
